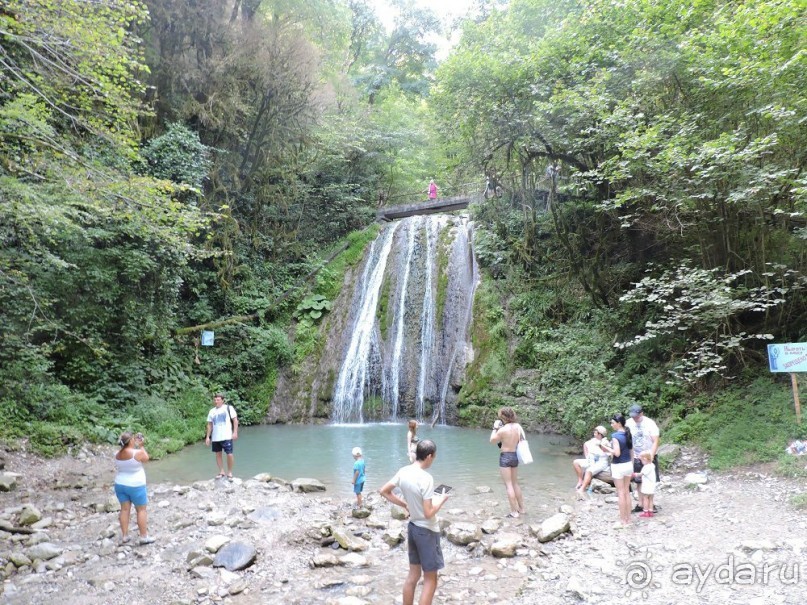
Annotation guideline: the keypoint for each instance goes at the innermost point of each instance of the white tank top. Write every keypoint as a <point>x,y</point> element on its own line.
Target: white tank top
<point>130,472</point>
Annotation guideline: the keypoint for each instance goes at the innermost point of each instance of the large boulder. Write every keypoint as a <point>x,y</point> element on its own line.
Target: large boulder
<point>306,485</point>
<point>348,541</point>
<point>44,551</point>
<point>505,545</point>
<point>8,482</point>
<point>552,527</point>
<point>463,534</point>
<point>29,515</point>
<point>235,556</point>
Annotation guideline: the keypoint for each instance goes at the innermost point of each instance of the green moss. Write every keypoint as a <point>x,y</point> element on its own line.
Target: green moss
<point>443,254</point>
<point>491,365</point>
<point>384,308</point>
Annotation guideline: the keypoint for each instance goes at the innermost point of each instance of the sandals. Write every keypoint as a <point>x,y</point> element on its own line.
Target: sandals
<point>512,515</point>
<point>220,476</point>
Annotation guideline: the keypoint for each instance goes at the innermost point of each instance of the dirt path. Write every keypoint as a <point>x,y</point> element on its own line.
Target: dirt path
<point>735,539</point>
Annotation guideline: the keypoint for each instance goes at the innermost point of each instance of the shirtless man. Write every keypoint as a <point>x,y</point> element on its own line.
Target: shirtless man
<point>508,432</point>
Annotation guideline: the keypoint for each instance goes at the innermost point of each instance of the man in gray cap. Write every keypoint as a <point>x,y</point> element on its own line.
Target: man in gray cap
<point>645,436</point>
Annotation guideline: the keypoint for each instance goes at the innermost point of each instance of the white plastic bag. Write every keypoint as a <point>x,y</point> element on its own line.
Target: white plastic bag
<point>523,450</point>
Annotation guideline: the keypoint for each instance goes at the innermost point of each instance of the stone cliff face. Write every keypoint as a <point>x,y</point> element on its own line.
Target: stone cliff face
<point>397,341</point>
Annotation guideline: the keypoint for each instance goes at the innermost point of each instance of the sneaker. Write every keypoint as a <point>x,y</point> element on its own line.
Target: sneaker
<point>637,509</point>
<point>146,540</point>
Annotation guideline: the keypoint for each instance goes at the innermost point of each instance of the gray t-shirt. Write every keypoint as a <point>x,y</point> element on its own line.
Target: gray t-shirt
<point>416,485</point>
<point>642,433</point>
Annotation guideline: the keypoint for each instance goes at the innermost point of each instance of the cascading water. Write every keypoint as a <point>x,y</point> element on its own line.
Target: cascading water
<point>409,318</point>
<point>348,399</point>
<point>393,384</point>
<point>427,319</point>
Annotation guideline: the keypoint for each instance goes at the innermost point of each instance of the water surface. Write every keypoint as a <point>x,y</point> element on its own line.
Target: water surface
<point>464,459</point>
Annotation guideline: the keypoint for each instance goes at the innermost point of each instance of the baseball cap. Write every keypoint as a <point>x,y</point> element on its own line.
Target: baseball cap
<point>357,451</point>
<point>601,430</point>
<point>635,410</point>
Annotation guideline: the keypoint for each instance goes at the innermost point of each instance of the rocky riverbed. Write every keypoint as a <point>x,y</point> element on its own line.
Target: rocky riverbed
<point>718,538</point>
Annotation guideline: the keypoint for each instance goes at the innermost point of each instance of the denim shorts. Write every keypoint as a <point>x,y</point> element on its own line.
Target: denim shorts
<point>424,548</point>
<point>358,487</point>
<point>226,445</point>
<point>136,495</point>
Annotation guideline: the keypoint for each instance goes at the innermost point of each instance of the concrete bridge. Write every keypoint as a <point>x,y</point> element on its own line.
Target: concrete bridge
<point>446,204</point>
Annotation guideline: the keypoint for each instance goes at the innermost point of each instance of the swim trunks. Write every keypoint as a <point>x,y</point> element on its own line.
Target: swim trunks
<point>508,460</point>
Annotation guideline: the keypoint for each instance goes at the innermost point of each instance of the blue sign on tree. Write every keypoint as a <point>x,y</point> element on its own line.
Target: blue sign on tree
<point>208,336</point>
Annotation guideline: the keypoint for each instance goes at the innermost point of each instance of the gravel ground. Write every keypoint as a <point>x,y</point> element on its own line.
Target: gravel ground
<point>735,539</point>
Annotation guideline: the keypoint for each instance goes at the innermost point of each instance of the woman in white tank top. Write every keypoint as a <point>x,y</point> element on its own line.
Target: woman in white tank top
<point>130,485</point>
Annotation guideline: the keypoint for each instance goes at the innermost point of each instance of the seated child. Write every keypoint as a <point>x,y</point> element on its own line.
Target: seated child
<point>597,459</point>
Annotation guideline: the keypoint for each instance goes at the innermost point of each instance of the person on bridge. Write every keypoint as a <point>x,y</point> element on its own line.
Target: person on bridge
<point>432,190</point>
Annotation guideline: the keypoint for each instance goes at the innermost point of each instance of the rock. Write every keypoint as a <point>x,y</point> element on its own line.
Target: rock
<point>354,560</point>
<point>491,526</point>
<point>348,541</point>
<point>29,515</point>
<point>235,556</point>
<point>238,587</point>
<point>19,559</point>
<point>696,479</point>
<point>667,454</point>
<point>42,523</point>
<point>264,514</point>
<point>324,560</point>
<point>307,485</point>
<point>483,489</point>
<point>552,527</point>
<point>360,513</point>
<point>200,560</point>
<point>44,551</point>
<point>214,543</point>
<point>393,536</point>
<point>263,477</point>
<point>375,522</point>
<point>8,482</point>
<point>505,545</point>
<point>398,513</point>
<point>216,518</point>
<point>358,591</point>
<point>577,589</point>
<point>463,534</point>
<point>752,545</point>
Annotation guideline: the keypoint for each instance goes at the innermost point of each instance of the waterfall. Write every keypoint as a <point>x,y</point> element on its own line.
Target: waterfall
<point>348,399</point>
<point>463,245</point>
<point>427,318</point>
<point>408,321</point>
<point>393,391</point>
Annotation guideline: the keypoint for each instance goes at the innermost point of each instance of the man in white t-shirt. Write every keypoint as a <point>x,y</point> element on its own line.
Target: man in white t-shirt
<point>222,430</point>
<point>645,434</point>
<point>423,532</point>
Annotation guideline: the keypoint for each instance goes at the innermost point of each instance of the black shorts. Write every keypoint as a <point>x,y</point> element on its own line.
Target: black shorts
<point>226,446</point>
<point>637,468</point>
<point>424,548</point>
<point>508,460</point>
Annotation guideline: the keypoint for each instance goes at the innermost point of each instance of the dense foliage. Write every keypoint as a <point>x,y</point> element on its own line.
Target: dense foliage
<point>167,166</point>
<point>673,242</point>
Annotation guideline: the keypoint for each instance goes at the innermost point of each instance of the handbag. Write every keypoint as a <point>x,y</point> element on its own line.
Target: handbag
<point>523,450</point>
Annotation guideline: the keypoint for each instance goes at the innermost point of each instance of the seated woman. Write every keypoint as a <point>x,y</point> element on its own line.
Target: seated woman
<point>597,459</point>
<point>591,448</point>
